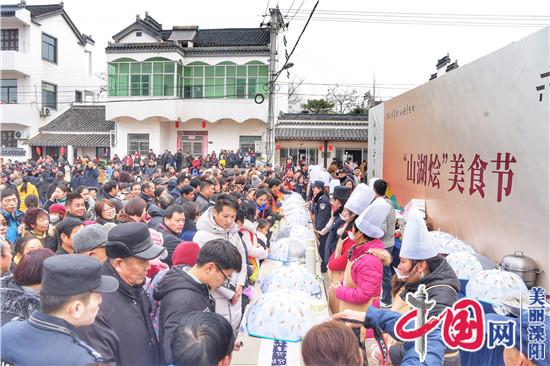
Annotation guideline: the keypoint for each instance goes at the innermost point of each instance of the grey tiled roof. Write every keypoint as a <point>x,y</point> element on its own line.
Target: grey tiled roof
<point>194,51</point>
<point>322,130</point>
<point>38,10</point>
<point>232,37</point>
<point>80,119</point>
<point>322,117</point>
<point>43,11</point>
<point>65,139</point>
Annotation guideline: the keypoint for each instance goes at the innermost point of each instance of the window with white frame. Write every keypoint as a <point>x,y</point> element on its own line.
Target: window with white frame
<point>138,142</point>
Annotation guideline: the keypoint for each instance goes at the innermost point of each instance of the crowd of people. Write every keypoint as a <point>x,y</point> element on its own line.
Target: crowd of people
<point>149,261</point>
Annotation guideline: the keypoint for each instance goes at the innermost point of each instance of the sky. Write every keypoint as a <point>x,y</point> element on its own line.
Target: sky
<point>348,42</point>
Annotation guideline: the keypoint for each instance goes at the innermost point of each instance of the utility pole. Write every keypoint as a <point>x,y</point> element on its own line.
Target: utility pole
<point>276,25</point>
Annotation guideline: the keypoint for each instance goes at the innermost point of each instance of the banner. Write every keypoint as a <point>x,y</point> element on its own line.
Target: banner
<point>474,144</point>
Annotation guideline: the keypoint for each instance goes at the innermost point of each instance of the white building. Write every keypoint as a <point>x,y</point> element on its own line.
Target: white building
<point>199,90</point>
<point>45,66</point>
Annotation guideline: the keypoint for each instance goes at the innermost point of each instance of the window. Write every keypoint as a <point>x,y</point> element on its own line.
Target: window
<point>9,40</point>
<point>138,34</point>
<point>49,48</point>
<point>49,95</point>
<point>78,96</point>
<point>138,142</point>
<point>247,142</point>
<point>9,90</point>
<point>8,139</point>
<point>224,80</point>
<point>151,77</point>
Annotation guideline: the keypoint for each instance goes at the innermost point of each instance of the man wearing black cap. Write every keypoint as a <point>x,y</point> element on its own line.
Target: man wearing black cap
<point>70,296</point>
<point>123,331</point>
<point>321,212</point>
<point>339,199</point>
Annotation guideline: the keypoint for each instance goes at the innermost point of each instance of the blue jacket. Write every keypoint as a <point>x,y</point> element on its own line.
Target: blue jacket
<point>91,178</point>
<point>45,340</point>
<point>13,222</point>
<point>386,320</point>
<point>76,180</point>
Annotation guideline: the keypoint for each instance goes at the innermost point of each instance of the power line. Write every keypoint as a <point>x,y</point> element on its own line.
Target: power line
<point>298,40</point>
<point>421,14</point>
<point>440,23</point>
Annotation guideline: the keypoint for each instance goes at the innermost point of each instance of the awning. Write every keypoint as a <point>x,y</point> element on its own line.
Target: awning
<point>321,133</point>
<point>77,140</point>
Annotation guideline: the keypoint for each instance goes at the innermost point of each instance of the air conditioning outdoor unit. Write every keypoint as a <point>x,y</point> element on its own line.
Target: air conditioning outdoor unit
<point>44,112</point>
<point>21,135</point>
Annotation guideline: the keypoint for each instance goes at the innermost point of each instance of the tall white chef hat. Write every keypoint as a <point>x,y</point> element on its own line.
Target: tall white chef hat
<point>371,220</point>
<point>360,199</point>
<point>417,243</point>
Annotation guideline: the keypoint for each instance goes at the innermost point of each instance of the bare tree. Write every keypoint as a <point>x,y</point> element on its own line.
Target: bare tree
<point>345,100</point>
<point>294,98</point>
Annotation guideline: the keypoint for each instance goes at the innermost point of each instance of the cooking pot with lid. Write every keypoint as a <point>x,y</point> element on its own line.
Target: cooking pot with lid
<point>523,266</point>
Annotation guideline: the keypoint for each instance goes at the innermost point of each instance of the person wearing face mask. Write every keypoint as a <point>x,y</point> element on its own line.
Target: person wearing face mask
<point>57,213</point>
<point>264,211</point>
<point>420,264</point>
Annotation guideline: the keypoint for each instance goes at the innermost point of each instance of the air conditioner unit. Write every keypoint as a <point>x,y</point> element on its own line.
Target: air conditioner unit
<point>21,135</point>
<point>44,112</point>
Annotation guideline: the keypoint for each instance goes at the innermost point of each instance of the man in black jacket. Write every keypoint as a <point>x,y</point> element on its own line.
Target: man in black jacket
<point>123,332</point>
<point>171,227</point>
<point>185,289</point>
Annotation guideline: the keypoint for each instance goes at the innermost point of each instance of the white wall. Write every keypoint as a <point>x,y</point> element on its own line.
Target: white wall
<point>69,74</point>
<point>127,125</point>
<point>132,38</point>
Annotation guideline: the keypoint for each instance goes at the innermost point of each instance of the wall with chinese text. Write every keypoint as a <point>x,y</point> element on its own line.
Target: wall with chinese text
<point>475,144</point>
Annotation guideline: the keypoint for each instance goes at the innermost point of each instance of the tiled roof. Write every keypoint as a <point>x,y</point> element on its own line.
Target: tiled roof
<point>80,119</point>
<point>191,51</point>
<point>322,117</point>
<point>322,130</point>
<point>38,10</point>
<point>44,11</point>
<point>65,139</point>
<point>232,37</point>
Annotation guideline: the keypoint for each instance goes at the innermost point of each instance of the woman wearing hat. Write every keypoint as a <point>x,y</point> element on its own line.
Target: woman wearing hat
<point>420,264</point>
<point>359,200</point>
<point>362,281</point>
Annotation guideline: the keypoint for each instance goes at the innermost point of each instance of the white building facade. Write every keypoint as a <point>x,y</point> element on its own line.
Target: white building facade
<point>45,66</point>
<point>198,90</point>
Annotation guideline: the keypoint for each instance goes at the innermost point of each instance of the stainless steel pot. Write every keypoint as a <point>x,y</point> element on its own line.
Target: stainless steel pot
<point>523,266</point>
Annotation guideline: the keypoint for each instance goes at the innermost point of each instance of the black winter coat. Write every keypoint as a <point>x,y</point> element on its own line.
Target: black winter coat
<point>179,294</point>
<point>123,332</point>
<point>156,214</point>
<point>16,301</point>
<point>171,241</point>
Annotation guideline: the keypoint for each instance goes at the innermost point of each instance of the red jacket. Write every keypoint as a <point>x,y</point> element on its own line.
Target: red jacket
<point>367,273</point>
<point>339,264</point>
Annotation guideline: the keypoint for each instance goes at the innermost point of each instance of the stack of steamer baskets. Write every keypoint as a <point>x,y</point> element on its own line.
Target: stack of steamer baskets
<point>291,299</point>
<point>497,290</point>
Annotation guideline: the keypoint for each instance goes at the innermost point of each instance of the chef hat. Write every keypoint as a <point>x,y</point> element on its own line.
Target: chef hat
<point>325,177</point>
<point>417,243</point>
<point>360,199</point>
<point>372,180</point>
<point>371,220</point>
<point>333,183</point>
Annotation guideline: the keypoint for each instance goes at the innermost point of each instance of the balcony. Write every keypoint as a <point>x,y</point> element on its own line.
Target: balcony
<point>185,109</point>
<point>21,114</point>
<point>16,62</point>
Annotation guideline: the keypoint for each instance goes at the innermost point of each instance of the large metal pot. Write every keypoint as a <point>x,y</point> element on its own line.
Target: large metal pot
<point>523,266</point>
